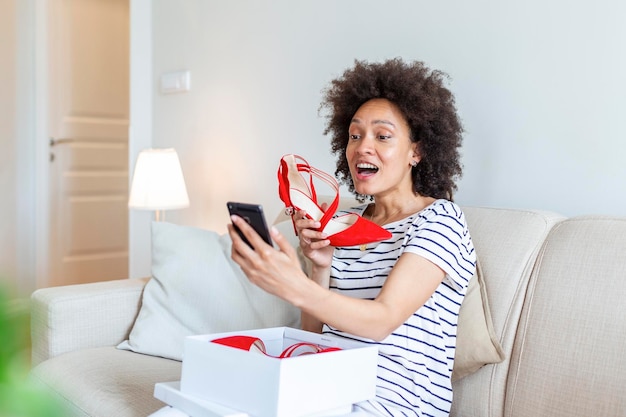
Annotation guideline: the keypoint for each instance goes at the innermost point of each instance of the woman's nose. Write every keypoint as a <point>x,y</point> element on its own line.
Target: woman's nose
<point>365,145</point>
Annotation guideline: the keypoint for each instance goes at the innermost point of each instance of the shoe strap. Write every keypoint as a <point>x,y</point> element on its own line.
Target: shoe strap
<point>304,167</point>
<point>305,348</point>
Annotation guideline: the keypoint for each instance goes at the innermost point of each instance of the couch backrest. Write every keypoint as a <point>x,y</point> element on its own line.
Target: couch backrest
<point>569,353</point>
<point>507,242</point>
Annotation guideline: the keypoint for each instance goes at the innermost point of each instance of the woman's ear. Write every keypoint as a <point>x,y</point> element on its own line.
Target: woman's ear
<point>417,155</point>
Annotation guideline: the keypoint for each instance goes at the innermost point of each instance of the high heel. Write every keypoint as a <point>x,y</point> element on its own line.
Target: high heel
<point>345,230</point>
<point>254,344</point>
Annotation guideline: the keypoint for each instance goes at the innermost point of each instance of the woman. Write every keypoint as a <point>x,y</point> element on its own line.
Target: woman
<point>396,136</point>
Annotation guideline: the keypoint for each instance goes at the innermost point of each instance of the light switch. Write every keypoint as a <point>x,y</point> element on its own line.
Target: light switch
<point>175,82</point>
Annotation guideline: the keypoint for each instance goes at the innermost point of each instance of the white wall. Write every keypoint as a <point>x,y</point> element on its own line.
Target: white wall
<point>539,86</point>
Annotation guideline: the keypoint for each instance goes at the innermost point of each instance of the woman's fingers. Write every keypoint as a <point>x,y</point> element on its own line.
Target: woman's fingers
<point>307,228</point>
<point>303,223</point>
<point>282,243</point>
<point>260,252</point>
<point>251,235</point>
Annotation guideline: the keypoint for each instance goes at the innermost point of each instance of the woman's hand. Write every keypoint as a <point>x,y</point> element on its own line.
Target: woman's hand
<point>276,271</point>
<point>314,244</point>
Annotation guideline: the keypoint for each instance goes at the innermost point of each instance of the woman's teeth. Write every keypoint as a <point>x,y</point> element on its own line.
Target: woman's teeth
<point>363,168</point>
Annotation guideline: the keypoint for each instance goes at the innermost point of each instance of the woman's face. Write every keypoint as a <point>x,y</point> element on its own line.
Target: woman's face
<point>380,151</point>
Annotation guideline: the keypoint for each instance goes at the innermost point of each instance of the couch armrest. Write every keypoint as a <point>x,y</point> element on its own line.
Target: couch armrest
<point>72,317</point>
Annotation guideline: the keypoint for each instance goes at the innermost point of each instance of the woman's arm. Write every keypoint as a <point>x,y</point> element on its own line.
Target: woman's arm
<point>410,284</point>
<point>321,276</point>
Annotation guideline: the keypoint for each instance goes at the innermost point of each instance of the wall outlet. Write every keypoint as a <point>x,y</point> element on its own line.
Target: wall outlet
<point>176,82</point>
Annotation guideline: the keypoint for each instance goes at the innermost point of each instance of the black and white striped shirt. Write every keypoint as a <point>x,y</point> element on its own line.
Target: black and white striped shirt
<point>415,361</point>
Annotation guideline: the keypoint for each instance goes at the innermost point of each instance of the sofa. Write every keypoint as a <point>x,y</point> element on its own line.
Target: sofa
<point>554,288</point>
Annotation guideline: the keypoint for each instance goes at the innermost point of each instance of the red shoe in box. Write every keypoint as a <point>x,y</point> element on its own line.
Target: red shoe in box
<point>254,344</point>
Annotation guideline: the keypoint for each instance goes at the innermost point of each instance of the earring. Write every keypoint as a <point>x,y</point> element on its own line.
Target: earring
<point>414,163</point>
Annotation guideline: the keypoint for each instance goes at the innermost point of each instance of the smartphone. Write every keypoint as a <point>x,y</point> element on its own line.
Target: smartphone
<point>253,214</point>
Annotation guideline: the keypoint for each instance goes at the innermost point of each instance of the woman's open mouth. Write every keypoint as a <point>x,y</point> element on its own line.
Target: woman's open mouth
<point>365,169</point>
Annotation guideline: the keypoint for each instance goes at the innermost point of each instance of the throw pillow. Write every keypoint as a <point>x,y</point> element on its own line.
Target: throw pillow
<point>476,342</point>
<point>197,289</point>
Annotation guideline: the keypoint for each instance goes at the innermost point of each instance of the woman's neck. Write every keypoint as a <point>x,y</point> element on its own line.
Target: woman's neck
<point>388,210</point>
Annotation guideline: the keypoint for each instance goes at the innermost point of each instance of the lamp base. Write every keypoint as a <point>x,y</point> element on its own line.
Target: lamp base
<point>159,215</point>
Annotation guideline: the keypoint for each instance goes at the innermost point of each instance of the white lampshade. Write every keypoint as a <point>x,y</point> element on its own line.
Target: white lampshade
<point>158,182</point>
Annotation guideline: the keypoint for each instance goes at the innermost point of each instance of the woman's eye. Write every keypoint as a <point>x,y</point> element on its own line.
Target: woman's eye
<point>355,137</point>
<point>384,137</point>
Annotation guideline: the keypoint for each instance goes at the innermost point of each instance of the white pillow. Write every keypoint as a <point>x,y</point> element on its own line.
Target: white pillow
<point>197,289</point>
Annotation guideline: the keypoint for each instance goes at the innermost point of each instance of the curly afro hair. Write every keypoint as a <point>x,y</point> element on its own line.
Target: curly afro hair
<point>427,105</point>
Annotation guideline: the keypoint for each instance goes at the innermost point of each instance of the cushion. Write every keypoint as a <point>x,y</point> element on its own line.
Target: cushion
<point>105,381</point>
<point>569,356</point>
<point>197,289</point>
<point>476,342</point>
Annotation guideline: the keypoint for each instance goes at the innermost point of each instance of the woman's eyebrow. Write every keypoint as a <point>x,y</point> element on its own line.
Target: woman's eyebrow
<point>376,121</point>
<point>384,122</point>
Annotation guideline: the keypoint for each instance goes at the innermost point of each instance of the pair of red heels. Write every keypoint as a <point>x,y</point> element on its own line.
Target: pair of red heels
<point>345,230</point>
<point>254,344</point>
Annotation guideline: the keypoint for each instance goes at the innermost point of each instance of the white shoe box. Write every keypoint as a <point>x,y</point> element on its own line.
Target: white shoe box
<point>266,386</point>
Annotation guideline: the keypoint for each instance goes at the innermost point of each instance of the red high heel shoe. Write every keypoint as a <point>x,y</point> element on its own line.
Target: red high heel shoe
<point>346,230</point>
<point>254,344</point>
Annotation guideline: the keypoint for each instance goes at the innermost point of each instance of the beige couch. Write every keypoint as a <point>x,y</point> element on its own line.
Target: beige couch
<point>556,289</point>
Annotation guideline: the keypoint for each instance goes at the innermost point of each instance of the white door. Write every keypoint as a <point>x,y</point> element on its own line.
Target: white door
<point>88,118</point>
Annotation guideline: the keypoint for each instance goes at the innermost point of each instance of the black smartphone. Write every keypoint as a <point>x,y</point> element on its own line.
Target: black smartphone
<point>253,214</point>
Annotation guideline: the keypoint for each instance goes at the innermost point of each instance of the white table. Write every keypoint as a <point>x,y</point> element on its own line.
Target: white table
<point>183,405</point>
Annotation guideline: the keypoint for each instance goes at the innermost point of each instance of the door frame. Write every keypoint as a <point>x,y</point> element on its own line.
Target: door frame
<point>140,134</point>
<point>42,143</point>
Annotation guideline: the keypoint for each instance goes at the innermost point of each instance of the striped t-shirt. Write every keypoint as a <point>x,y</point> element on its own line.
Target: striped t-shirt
<point>415,360</point>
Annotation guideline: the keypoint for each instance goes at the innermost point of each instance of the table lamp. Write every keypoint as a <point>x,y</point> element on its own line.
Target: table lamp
<point>158,183</point>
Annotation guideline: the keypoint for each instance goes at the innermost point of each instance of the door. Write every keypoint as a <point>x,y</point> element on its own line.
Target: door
<point>88,120</point>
